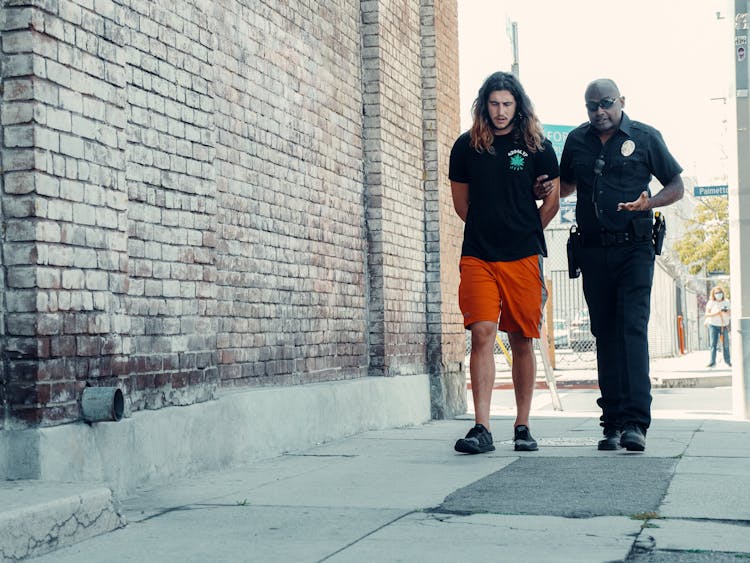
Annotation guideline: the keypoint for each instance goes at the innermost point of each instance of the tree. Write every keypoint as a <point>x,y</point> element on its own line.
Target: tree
<point>705,244</point>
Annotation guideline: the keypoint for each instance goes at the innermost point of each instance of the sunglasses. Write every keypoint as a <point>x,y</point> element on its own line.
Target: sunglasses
<point>604,103</point>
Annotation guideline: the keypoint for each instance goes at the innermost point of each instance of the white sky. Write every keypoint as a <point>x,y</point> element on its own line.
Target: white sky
<point>668,57</point>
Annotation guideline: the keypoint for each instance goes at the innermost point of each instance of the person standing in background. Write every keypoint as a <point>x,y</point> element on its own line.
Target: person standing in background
<point>718,317</point>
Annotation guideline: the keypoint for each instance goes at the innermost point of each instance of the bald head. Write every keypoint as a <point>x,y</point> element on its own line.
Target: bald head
<point>604,105</point>
<point>602,88</point>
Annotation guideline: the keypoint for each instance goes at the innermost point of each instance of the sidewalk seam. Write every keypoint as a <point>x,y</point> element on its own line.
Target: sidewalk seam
<point>368,534</point>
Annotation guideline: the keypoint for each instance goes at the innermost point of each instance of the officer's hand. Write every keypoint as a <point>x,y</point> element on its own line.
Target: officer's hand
<point>542,188</point>
<point>640,204</point>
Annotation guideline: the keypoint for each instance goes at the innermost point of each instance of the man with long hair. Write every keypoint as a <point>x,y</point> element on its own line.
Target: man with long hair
<point>493,167</point>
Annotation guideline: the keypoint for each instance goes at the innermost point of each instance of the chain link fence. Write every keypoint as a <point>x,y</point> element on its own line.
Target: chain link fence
<point>672,304</point>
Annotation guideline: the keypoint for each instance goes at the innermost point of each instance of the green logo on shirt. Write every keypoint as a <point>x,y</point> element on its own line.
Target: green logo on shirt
<point>517,159</point>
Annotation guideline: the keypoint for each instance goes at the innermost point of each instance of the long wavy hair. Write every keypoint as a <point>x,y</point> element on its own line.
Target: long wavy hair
<point>527,127</point>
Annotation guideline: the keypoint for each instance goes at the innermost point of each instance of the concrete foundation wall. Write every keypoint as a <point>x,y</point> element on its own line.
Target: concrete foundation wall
<point>236,428</point>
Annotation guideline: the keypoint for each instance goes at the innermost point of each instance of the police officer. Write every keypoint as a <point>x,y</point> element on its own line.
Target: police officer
<point>609,161</point>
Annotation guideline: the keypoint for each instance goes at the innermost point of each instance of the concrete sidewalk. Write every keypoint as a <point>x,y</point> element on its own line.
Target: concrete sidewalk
<point>405,495</point>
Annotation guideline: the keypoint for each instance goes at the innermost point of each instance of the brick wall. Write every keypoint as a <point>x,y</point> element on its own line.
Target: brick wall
<point>211,194</point>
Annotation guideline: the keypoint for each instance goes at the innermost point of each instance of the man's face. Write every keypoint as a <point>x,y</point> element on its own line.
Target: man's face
<point>501,106</point>
<point>605,109</point>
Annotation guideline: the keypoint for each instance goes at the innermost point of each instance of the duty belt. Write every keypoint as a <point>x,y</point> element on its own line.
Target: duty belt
<point>606,238</point>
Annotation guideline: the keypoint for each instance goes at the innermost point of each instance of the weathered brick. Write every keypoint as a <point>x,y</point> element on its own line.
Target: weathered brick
<point>21,324</point>
<point>72,279</point>
<point>18,159</point>
<point>18,65</point>
<point>18,230</point>
<point>20,253</point>
<point>88,345</point>
<point>17,112</point>
<point>19,277</point>
<point>20,301</point>
<point>63,346</point>
<point>47,231</point>
<point>48,324</point>
<point>96,280</point>
<point>59,119</point>
<point>18,89</point>
<point>17,18</point>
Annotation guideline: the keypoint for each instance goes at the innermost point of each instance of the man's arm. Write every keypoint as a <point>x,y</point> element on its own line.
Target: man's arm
<point>543,187</point>
<point>551,203</point>
<point>567,188</point>
<point>671,192</point>
<point>460,193</point>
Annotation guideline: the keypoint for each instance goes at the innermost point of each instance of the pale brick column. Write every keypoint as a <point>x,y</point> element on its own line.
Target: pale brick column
<point>394,197</point>
<point>444,229</point>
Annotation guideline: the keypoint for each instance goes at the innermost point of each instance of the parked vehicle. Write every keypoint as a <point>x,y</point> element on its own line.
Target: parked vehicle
<point>581,339</point>
<point>562,333</point>
<point>497,351</point>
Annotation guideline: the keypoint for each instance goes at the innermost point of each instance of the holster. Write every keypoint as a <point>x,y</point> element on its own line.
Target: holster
<point>659,231</point>
<point>642,229</point>
<point>574,245</point>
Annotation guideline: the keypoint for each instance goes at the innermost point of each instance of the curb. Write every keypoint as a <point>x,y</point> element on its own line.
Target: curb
<point>37,517</point>
<point>669,382</point>
<point>703,381</point>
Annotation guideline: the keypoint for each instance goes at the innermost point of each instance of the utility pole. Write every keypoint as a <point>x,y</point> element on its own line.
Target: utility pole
<point>511,29</point>
<point>739,219</point>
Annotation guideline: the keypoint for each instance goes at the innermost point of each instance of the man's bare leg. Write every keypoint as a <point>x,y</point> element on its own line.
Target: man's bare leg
<point>482,369</point>
<point>524,374</point>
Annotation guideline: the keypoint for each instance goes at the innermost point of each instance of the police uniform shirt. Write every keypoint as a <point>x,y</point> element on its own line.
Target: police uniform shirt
<point>630,157</point>
<point>503,221</point>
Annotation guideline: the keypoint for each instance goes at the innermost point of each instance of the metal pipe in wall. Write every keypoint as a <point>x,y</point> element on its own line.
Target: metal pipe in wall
<point>100,404</point>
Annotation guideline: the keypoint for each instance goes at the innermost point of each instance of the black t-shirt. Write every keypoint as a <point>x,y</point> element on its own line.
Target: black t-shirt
<point>631,156</point>
<point>503,222</point>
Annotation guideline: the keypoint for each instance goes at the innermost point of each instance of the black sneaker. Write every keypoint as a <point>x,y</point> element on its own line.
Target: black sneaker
<point>477,441</point>
<point>633,438</point>
<point>611,440</point>
<point>523,440</point>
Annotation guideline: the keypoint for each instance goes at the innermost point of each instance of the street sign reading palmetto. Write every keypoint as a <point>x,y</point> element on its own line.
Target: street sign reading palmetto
<point>710,191</point>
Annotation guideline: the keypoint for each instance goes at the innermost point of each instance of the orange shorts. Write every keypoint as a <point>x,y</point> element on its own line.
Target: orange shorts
<point>512,292</point>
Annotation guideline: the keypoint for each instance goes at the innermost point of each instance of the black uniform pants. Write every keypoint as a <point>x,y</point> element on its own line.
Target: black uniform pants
<point>617,285</point>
